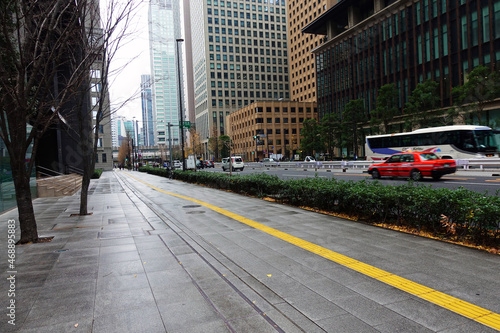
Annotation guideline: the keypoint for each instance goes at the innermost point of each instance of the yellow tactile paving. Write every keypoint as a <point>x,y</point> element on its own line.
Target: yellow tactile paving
<point>451,303</point>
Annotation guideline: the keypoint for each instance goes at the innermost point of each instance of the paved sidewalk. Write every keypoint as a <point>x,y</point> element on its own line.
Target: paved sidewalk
<point>124,269</point>
<point>106,272</point>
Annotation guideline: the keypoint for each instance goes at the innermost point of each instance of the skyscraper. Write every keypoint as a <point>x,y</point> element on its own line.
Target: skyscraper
<point>240,55</point>
<point>164,29</point>
<point>148,132</point>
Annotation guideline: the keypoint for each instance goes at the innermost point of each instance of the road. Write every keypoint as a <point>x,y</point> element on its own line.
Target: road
<point>475,181</point>
<point>266,267</point>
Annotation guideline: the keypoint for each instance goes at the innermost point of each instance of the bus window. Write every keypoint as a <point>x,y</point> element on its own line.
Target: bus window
<point>467,141</point>
<point>485,141</point>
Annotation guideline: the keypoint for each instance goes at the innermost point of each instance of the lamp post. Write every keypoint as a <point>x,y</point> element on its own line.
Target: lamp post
<point>181,113</point>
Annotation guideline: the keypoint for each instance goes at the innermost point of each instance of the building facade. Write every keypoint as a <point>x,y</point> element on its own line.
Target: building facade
<point>240,55</point>
<point>148,130</point>
<point>278,125</point>
<point>302,61</point>
<point>369,44</point>
<point>164,30</point>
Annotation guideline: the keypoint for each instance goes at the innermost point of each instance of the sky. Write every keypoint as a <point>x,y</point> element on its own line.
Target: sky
<point>132,60</point>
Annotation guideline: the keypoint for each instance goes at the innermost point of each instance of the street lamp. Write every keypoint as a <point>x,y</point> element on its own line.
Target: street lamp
<point>181,113</point>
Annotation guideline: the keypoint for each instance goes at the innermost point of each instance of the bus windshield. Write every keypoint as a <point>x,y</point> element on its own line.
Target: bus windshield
<point>486,141</point>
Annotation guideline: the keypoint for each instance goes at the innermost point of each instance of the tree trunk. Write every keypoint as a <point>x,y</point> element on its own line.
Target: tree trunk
<point>27,221</point>
<point>84,193</point>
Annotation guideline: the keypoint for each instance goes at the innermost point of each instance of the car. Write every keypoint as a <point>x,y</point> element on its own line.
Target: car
<point>177,164</point>
<point>413,165</point>
<point>209,164</point>
<point>266,160</point>
<point>236,163</point>
<point>200,164</point>
<point>309,159</point>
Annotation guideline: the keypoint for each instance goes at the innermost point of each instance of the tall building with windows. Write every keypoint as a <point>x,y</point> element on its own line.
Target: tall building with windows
<point>148,131</point>
<point>240,55</point>
<point>302,62</point>
<point>366,45</point>
<point>164,29</point>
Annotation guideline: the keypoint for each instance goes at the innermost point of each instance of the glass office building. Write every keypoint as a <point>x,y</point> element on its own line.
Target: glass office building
<point>369,44</point>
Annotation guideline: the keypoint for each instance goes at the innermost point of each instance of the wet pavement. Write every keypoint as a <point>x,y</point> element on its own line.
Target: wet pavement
<point>150,261</point>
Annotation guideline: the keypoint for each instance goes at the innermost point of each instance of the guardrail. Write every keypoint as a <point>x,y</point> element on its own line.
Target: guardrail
<point>476,164</point>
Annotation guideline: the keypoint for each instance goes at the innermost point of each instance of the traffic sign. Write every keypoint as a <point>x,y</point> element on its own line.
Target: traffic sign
<point>185,124</point>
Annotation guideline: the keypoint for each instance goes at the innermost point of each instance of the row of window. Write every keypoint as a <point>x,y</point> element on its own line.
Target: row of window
<point>244,85</point>
<point>230,22</point>
<point>240,103</point>
<point>251,94</point>
<point>251,76</point>
<point>229,13</point>
<point>281,47</point>
<point>242,5</point>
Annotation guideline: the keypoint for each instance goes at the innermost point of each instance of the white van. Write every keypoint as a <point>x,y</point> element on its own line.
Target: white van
<point>236,163</point>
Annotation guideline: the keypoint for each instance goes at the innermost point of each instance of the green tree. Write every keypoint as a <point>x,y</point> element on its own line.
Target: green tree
<point>424,97</point>
<point>386,108</point>
<point>226,145</point>
<point>331,128</point>
<point>352,120</point>
<point>312,141</point>
<point>481,87</point>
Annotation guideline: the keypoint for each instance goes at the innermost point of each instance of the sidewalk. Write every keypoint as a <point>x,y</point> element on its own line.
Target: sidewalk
<point>106,272</point>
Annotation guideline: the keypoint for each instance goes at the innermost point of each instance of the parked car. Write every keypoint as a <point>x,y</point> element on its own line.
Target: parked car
<point>268,160</point>
<point>177,164</point>
<point>309,159</point>
<point>414,165</point>
<point>236,163</point>
<point>209,164</point>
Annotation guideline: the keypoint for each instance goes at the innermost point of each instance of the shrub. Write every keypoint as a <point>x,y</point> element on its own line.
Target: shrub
<point>475,216</point>
<point>97,174</point>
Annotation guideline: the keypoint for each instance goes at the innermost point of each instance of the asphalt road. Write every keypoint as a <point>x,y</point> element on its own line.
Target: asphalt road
<point>482,182</point>
<point>266,267</point>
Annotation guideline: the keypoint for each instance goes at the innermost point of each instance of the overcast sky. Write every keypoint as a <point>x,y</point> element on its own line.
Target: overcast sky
<point>127,82</point>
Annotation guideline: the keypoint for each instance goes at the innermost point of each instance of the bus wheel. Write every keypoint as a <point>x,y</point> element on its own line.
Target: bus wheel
<point>415,175</point>
<point>375,174</point>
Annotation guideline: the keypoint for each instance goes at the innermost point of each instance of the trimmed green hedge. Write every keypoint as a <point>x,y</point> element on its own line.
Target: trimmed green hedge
<point>475,217</point>
<point>97,174</point>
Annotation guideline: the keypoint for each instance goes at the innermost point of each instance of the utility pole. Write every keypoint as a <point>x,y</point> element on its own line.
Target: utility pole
<point>181,113</point>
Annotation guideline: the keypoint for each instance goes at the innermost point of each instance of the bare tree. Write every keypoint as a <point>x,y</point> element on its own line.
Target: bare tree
<point>103,38</point>
<point>41,74</point>
<point>46,54</point>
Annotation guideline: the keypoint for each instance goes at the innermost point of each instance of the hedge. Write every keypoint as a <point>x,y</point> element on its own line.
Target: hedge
<point>97,174</point>
<point>459,215</point>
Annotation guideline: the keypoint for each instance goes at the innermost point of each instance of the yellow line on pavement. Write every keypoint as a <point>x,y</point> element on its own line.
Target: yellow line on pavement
<point>481,315</point>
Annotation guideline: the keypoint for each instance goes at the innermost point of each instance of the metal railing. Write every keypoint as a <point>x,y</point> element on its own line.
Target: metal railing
<point>471,164</point>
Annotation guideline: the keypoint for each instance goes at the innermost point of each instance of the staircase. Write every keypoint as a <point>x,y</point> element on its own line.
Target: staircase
<point>58,186</point>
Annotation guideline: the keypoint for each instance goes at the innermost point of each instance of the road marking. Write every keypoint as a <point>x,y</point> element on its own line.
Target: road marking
<point>469,310</point>
<point>493,180</point>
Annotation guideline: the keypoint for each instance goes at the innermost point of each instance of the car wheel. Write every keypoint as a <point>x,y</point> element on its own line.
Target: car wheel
<point>436,177</point>
<point>241,169</point>
<point>415,175</point>
<point>375,174</point>
<point>223,169</point>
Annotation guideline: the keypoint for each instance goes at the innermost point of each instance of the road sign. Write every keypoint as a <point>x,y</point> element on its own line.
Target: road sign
<point>185,124</point>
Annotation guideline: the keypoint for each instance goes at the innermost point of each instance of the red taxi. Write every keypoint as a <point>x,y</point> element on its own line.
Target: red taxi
<point>414,165</point>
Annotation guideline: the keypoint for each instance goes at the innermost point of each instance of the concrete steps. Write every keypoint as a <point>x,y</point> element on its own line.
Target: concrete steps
<point>59,186</point>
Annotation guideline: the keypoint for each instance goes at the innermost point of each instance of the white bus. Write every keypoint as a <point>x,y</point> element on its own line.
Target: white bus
<point>449,142</point>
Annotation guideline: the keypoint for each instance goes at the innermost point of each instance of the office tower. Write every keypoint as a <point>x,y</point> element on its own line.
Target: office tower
<point>402,43</point>
<point>148,131</point>
<point>302,62</point>
<point>240,55</point>
<point>188,58</point>
<point>164,29</point>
